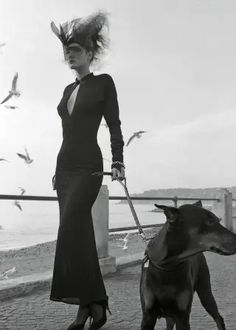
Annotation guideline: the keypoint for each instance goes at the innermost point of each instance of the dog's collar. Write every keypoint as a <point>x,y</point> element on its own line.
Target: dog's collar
<point>146,263</point>
<point>147,260</point>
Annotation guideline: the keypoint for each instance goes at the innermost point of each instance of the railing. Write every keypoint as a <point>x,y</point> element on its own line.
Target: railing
<point>174,199</point>
<point>221,206</point>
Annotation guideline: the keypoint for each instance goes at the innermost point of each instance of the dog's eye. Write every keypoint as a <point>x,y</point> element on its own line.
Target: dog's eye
<point>210,221</point>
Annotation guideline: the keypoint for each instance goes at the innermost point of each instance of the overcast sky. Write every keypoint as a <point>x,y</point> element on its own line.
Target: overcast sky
<point>174,66</point>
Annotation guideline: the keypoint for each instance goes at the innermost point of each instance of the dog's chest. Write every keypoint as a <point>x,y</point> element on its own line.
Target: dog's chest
<point>172,290</point>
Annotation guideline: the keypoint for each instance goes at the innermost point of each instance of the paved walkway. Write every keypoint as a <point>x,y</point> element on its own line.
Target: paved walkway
<point>35,311</point>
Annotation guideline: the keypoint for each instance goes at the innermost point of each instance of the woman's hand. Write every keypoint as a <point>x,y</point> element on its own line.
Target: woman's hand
<point>118,174</point>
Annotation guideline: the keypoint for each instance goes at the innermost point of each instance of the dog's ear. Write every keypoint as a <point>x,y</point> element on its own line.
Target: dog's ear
<point>171,213</point>
<point>198,203</point>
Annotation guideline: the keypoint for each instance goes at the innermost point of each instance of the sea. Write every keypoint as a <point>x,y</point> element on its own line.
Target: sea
<point>37,222</point>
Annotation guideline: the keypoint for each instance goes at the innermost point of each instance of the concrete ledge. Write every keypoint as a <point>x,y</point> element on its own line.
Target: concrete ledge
<point>25,285</point>
<point>129,259</point>
<point>107,265</point>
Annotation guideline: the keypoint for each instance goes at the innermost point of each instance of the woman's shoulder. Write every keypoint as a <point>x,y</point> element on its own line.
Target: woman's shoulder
<point>104,77</point>
<point>106,81</point>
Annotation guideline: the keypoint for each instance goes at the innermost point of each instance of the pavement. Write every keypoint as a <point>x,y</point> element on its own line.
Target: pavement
<point>32,309</point>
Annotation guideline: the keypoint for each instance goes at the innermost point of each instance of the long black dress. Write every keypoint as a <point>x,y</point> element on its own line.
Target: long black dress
<point>77,277</point>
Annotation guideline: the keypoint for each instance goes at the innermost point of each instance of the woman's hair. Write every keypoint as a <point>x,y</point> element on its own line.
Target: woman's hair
<point>88,32</point>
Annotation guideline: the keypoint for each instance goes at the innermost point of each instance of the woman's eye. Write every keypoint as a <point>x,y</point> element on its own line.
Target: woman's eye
<point>75,49</point>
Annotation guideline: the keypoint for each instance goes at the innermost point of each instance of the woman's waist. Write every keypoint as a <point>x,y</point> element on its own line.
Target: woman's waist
<point>82,145</point>
<point>79,139</point>
<point>80,154</point>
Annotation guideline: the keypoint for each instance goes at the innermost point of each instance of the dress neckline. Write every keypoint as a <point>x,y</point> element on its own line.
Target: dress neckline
<point>75,85</point>
<point>77,81</point>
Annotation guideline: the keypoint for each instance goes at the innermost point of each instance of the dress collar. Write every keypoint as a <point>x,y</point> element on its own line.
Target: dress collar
<point>77,81</point>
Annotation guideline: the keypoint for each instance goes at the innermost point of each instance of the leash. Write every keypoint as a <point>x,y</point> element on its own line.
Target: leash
<point>140,229</point>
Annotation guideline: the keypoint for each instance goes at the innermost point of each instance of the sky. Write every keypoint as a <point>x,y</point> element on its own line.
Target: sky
<point>174,66</point>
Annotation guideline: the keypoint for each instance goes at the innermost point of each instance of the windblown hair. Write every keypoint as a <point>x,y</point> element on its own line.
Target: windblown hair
<point>89,32</point>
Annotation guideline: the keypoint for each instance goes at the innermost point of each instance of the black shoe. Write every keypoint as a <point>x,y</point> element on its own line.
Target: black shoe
<point>76,326</point>
<point>98,313</point>
<point>81,318</point>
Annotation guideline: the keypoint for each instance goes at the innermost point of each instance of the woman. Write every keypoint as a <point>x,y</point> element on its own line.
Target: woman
<point>77,277</point>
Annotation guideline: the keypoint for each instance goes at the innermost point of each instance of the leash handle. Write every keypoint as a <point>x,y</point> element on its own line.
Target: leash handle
<point>140,229</point>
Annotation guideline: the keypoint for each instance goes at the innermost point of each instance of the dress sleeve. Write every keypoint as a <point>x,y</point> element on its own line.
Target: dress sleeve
<point>111,115</point>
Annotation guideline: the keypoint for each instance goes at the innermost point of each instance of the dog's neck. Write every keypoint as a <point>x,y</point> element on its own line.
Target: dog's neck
<point>170,247</point>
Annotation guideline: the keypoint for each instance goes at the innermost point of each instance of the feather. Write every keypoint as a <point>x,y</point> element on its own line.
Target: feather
<point>57,32</point>
<point>63,36</point>
<point>55,29</point>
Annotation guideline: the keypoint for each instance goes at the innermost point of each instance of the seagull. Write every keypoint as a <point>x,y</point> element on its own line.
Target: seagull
<point>3,160</point>
<point>125,240</point>
<point>22,190</point>
<point>26,157</point>
<point>1,45</point>
<point>11,107</point>
<point>4,275</point>
<point>13,91</point>
<point>124,247</point>
<point>17,204</point>
<point>135,134</point>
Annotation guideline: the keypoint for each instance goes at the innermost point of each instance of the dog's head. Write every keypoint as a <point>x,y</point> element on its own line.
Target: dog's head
<point>191,229</point>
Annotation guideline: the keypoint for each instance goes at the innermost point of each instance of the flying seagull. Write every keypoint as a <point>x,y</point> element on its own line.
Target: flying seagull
<point>125,240</point>
<point>22,190</point>
<point>3,160</point>
<point>17,204</point>
<point>11,107</point>
<point>26,157</point>
<point>1,45</point>
<point>13,91</point>
<point>135,135</point>
<point>4,275</point>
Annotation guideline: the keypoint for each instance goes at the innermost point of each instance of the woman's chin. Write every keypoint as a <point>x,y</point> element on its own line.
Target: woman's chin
<point>72,66</point>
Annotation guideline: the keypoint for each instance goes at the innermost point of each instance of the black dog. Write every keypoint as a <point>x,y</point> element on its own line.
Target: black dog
<point>174,266</point>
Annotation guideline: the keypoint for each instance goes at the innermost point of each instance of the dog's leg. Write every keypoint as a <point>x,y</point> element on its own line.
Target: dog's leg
<point>208,302</point>
<point>203,288</point>
<point>182,322</point>
<point>149,310</point>
<point>170,323</point>
<point>149,319</point>
<point>147,302</point>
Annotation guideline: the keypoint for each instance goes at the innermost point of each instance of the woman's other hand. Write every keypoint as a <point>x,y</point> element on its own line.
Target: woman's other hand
<point>118,174</point>
<point>118,171</point>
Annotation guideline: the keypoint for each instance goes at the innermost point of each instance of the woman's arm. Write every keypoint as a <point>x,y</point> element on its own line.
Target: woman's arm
<point>111,115</point>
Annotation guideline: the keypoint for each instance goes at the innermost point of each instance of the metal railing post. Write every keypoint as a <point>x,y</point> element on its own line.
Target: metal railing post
<point>228,219</point>
<point>175,200</point>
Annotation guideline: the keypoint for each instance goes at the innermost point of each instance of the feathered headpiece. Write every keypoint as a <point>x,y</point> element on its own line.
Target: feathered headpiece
<point>88,32</point>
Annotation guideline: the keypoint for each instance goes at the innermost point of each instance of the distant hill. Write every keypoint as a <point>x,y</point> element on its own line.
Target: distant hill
<point>184,192</point>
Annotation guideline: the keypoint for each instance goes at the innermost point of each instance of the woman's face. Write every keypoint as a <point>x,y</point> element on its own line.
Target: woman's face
<point>77,56</point>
